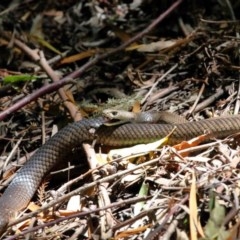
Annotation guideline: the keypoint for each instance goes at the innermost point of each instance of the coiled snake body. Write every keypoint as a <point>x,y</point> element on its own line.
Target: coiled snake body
<point>22,188</point>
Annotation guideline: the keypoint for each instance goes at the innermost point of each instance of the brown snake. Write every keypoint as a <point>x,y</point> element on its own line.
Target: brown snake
<point>22,188</point>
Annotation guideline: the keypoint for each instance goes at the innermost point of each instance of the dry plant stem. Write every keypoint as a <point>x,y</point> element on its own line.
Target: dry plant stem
<point>84,188</point>
<point>202,147</point>
<point>237,105</point>
<point>53,60</point>
<point>152,235</point>
<point>156,83</point>
<point>38,56</point>
<point>105,179</point>
<point>81,214</point>
<point>228,218</point>
<point>231,10</point>
<point>33,96</point>
<point>43,121</point>
<point>185,30</point>
<point>76,234</point>
<point>131,220</point>
<point>161,94</point>
<point>217,22</point>
<point>64,187</point>
<point>106,220</point>
<point>12,168</point>
<point>56,85</point>
<point>171,229</point>
<point>12,153</point>
<point>209,100</point>
<point>228,159</point>
<point>73,110</point>
<point>190,111</point>
<point>28,236</point>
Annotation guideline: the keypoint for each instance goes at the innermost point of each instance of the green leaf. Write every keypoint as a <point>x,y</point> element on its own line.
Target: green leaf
<point>46,44</point>
<point>13,79</point>
<point>214,228</point>
<point>143,192</point>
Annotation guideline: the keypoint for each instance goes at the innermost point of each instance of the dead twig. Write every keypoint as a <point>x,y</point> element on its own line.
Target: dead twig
<point>58,84</point>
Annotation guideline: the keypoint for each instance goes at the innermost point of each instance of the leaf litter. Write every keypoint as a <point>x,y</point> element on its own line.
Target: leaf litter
<point>190,191</point>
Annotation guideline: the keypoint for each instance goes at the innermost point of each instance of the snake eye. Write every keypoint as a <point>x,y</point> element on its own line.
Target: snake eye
<point>114,113</point>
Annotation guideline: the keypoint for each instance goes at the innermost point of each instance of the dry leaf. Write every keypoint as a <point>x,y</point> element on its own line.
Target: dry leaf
<point>74,203</point>
<point>195,226</point>
<point>190,143</point>
<point>153,46</point>
<point>77,57</point>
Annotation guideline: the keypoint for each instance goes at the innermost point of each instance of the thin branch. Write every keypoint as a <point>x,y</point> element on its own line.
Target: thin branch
<point>80,214</point>
<point>56,85</point>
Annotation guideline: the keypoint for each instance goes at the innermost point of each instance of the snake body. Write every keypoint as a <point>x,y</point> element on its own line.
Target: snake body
<point>22,188</point>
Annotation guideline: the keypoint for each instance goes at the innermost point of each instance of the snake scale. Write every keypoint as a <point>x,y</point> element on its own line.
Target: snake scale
<point>22,188</point>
